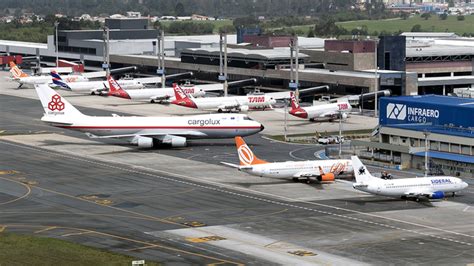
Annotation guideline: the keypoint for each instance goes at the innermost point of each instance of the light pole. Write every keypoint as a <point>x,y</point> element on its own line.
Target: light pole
<point>376,81</point>
<point>340,134</point>
<point>56,25</point>
<point>426,133</point>
<point>225,65</point>
<point>285,128</point>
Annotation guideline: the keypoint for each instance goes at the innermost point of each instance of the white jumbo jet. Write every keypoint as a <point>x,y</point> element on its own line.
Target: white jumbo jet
<point>226,104</point>
<point>432,187</point>
<point>22,78</point>
<point>145,132</point>
<point>320,170</point>
<point>320,112</point>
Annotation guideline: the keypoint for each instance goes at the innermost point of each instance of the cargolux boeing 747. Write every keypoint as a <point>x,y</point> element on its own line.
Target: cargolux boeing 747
<point>432,187</point>
<point>145,132</point>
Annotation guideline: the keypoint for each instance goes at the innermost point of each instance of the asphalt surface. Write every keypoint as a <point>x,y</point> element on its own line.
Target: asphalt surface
<point>122,209</point>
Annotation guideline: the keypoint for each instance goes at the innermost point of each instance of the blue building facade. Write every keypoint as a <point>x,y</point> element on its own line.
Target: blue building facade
<point>453,115</point>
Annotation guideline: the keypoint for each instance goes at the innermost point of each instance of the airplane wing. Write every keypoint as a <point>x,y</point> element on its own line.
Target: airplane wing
<point>329,114</point>
<point>151,135</point>
<point>237,166</point>
<point>306,174</point>
<point>418,194</point>
<point>149,80</point>
<point>211,87</point>
<point>279,95</point>
<point>91,75</point>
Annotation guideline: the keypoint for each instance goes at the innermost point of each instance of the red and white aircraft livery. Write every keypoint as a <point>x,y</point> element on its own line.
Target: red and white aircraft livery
<point>23,78</point>
<point>320,112</point>
<point>320,170</point>
<point>145,132</point>
<point>221,104</point>
<point>152,94</point>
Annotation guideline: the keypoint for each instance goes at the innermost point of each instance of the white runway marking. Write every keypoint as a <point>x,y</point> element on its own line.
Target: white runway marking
<point>219,187</point>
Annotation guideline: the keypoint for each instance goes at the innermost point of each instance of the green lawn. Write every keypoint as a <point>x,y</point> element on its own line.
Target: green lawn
<point>27,250</point>
<point>434,24</point>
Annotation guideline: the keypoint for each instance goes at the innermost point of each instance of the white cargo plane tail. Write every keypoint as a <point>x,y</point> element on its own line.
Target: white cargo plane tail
<point>56,108</point>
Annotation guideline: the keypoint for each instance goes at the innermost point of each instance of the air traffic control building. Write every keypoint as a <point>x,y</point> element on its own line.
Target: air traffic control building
<point>409,124</point>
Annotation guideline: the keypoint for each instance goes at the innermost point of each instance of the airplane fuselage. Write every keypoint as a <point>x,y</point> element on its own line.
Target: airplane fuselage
<point>159,93</point>
<point>407,186</point>
<point>291,169</point>
<point>323,111</point>
<point>89,86</point>
<point>234,102</point>
<point>193,127</point>
<point>33,80</point>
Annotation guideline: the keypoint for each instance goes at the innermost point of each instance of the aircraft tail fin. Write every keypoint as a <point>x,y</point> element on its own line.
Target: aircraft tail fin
<point>181,98</point>
<point>58,81</point>
<point>246,156</point>
<point>16,71</point>
<point>361,173</point>
<point>53,104</point>
<point>116,90</point>
<point>294,103</point>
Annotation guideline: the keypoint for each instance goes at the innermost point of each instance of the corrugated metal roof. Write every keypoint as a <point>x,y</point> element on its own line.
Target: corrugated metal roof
<point>438,99</point>
<point>448,156</point>
<point>277,53</point>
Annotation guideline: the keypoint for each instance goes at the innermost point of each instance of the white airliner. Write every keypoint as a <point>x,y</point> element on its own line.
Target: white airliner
<point>320,170</point>
<point>144,131</point>
<point>23,78</point>
<point>433,187</point>
<point>320,112</point>
<point>221,104</point>
<point>100,87</point>
<point>149,94</point>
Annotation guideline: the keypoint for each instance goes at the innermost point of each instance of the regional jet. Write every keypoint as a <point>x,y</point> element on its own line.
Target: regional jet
<point>320,112</point>
<point>146,132</point>
<point>23,78</point>
<point>99,87</point>
<point>320,170</point>
<point>224,104</point>
<point>149,94</point>
<point>432,187</point>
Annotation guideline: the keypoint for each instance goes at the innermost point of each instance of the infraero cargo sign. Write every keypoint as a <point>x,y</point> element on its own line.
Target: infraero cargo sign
<point>406,113</point>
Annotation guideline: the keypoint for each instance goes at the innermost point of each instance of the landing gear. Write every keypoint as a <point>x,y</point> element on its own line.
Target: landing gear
<point>296,179</point>
<point>311,119</point>
<point>454,194</point>
<point>92,92</point>
<point>152,101</point>
<point>308,181</point>
<point>219,110</point>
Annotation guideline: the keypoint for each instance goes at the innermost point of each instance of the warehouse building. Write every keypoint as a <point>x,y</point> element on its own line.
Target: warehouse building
<point>409,124</point>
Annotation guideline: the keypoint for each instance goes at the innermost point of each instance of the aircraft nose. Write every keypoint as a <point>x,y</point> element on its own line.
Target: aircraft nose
<point>464,185</point>
<point>261,127</point>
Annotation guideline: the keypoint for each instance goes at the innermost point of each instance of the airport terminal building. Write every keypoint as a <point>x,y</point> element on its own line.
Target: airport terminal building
<point>408,124</point>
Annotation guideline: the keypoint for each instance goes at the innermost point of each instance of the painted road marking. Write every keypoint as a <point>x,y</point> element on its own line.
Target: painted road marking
<point>302,253</point>
<point>204,239</point>
<point>46,229</point>
<point>215,186</point>
<point>194,224</point>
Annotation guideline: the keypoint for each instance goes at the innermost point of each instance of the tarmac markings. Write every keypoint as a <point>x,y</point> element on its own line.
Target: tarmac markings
<point>214,186</point>
<point>204,239</point>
